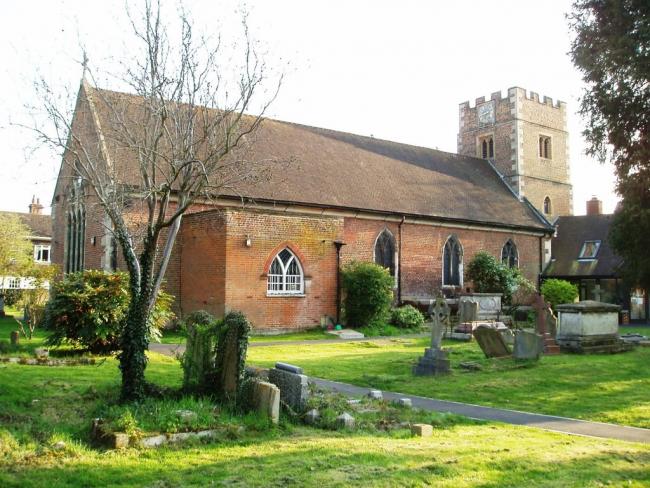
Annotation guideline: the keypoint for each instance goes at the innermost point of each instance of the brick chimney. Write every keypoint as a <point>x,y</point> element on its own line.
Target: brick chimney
<point>594,206</point>
<point>35,207</point>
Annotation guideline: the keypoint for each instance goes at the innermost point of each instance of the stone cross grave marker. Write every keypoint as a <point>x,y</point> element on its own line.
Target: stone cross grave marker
<point>491,342</point>
<point>435,360</point>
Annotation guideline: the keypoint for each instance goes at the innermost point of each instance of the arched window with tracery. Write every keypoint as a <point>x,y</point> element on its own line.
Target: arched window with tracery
<point>452,263</point>
<point>285,275</point>
<point>74,246</point>
<point>385,251</point>
<point>509,255</point>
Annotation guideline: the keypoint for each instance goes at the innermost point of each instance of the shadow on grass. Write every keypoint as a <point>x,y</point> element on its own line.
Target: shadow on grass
<point>335,460</point>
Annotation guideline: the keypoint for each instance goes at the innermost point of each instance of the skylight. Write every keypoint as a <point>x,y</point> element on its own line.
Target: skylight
<point>589,250</point>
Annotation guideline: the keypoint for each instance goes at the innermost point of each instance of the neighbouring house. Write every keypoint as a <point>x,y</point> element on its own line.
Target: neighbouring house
<point>581,254</point>
<point>271,250</point>
<point>40,227</point>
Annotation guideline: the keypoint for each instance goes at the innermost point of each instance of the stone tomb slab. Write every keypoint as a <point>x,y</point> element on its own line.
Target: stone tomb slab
<point>491,342</point>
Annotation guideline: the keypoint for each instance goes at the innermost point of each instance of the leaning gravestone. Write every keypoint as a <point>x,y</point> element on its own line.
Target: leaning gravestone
<point>266,399</point>
<point>435,360</point>
<point>294,386</point>
<point>528,345</point>
<point>491,342</point>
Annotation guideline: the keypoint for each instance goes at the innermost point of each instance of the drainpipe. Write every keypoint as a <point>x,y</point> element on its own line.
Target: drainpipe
<point>399,261</point>
<point>541,263</point>
<point>339,245</point>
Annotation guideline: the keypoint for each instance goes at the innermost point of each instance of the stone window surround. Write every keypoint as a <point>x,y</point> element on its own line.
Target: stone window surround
<point>460,262</point>
<point>545,149</point>
<point>487,137</point>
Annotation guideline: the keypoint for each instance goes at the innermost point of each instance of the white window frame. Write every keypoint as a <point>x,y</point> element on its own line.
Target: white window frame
<point>38,249</point>
<point>285,284</point>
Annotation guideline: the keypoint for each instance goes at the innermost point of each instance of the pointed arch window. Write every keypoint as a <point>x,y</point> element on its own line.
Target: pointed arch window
<point>547,206</point>
<point>487,147</point>
<point>509,255</point>
<point>385,251</point>
<point>285,275</point>
<point>452,263</point>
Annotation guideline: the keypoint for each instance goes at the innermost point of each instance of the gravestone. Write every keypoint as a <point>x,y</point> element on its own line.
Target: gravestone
<point>231,354</point>
<point>491,342</point>
<point>551,322</point>
<point>528,345</point>
<point>266,400</point>
<point>294,387</point>
<point>15,337</point>
<point>467,311</point>
<point>435,360</point>
<point>542,309</point>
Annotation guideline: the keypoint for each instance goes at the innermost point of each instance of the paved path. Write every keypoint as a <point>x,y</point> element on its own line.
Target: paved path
<point>546,422</point>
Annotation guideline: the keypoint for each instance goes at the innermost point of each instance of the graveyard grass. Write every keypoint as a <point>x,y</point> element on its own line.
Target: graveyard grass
<point>605,388</point>
<point>462,454</point>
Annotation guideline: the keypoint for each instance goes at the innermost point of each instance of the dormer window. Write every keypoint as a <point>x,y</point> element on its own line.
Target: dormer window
<point>486,147</point>
<point>589,250</point>
<point>545,147</point>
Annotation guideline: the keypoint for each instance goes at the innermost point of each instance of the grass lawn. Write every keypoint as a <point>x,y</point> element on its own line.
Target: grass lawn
<point>606,388</point>
<point>42,405</point>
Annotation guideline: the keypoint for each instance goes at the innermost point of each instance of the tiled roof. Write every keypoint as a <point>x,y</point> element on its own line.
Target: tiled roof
<point>40,225</point>
<point>342,170</point>
<point>572,232</point>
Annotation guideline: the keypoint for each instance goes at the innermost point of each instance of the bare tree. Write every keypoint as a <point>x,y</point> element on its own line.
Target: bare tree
<point>163,148</point>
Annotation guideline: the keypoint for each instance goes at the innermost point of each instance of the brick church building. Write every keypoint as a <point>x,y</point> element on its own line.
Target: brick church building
<point>271,250</point>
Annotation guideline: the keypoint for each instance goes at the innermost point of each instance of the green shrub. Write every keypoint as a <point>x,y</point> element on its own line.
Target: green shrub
<point>559,291</point>
<point>11,296</point>
<point>368,291</point>
<point>89,308</point>
<point>489,275</point>
<point>198,359</point>
<point>407,317</point>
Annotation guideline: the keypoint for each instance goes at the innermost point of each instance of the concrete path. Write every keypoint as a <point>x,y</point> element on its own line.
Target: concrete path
<point>546,422</point>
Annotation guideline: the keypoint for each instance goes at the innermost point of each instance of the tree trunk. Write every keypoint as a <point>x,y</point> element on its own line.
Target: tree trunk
<point>133,359</point>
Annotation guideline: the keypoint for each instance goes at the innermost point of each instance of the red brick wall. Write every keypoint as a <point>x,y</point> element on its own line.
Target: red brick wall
<point>422,248</point>
<point>246,282</point>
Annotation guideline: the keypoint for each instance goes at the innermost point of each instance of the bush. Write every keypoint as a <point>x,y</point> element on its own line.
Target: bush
<point>407,317</point>
<point>491,276</point>
<point>559,291</point>
<point>198,360</point>
<point>89,308</point>
<point>12,296</point>
<point>368,291</point>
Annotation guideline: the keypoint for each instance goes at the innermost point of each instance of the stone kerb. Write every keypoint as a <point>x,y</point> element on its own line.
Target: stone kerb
<point>294,386</point>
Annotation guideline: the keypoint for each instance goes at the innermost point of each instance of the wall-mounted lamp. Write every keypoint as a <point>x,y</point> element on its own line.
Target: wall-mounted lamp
<point>248,241</point>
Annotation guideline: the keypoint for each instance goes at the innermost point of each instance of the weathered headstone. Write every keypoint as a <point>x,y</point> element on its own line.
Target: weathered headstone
<point>528,345</point>
<point>422,430</point>
<point>231,354</point>
<point>376,395</point>
<point>312,417</point>
<point>435,360</point>
<point>467,311</point>
<point>294,388</point>
<point>551,322</point>
<point>404,402</point>
<point>15,337</point>
<point>345,421</point>
<point>491,342</point>
<point>266,400</point>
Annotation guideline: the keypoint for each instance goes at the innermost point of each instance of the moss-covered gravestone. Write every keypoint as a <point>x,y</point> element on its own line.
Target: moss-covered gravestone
<point>231,354</point>
<point>198,359</point>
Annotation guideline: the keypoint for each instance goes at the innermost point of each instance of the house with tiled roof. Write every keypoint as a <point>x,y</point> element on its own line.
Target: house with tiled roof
<point>40,234</point>
<point>582,254</point>
<point>272,249</point>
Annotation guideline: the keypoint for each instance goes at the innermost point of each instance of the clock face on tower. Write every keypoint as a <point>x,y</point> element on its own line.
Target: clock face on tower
<point>486,113</point>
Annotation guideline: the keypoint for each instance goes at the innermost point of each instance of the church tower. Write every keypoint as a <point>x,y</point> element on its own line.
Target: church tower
<point>527,141</point>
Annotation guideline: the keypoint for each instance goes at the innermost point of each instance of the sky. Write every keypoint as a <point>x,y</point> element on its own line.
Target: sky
<point>394,70</point>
